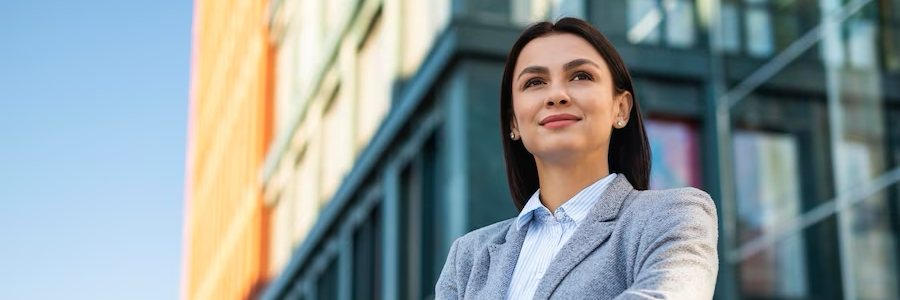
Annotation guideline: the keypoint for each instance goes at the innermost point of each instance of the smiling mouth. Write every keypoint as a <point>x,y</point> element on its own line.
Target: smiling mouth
<point>559,120</point>
<point>559,124</point>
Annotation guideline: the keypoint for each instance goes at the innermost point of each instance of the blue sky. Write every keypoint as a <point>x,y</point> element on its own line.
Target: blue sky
<point>93,114</point>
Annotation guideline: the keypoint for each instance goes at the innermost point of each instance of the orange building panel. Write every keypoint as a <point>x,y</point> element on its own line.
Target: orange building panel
<point>225,233</point>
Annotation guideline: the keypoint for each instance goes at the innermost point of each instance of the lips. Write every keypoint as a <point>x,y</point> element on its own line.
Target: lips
<point>558,120</point>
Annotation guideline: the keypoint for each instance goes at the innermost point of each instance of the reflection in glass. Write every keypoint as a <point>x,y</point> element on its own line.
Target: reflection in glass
<point>768,195</point>
<point>859,140</point>
<point>680,23</point>
<point>674,148</point>
<point>871,243</point>
<point>526,12</point>
<point>861,44</point>
<point>731,36</point>
<point>758,25</point>
<point>569,8</point>
<point>644,17</point>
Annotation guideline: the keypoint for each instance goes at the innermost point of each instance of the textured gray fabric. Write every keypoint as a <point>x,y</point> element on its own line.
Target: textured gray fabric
<point>634,245</point>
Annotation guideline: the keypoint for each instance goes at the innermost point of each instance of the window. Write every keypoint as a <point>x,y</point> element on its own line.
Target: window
<point>569,8</point>
<point>374,84</point>
<point>337,139</point>
<point>861,43</point>
<point>527,12</point>
<point>367,245</point>
<point>768,195</point>
<point>644,17</point>
<point>422,232</point>
<point>281,241</point>
<point>311,36</point>
<point>304,196</point>
<point>870,243</point>
<point>285,75</point>
<point>327,285</point>
<point>758,28</point>
<point>761,28</point>
<point>674,149</point>
<point>730,38</point>
<point>680,23</point>
<point>655,22</point>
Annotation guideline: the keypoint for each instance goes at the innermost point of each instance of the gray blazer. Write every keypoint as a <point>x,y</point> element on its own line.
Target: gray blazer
<point>633,245</point>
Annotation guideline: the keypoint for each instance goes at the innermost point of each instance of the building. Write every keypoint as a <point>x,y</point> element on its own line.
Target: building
<point>385,137</point>
<point>226,229</point>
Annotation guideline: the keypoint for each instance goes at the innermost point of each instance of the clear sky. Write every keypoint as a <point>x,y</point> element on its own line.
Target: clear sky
<point>93,114</point>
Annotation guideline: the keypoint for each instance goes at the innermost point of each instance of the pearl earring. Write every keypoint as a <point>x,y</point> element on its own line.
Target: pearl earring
<point>620,123</point>
<point>512,135</point>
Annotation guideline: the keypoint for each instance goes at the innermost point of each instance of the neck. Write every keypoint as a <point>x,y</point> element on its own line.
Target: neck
<point>561,180</point>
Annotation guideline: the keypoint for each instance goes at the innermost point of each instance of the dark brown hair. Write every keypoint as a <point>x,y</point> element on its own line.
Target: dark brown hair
<point>629,151</point>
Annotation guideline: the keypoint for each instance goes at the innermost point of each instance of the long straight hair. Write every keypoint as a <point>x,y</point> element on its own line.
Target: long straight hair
<point>629,151</point>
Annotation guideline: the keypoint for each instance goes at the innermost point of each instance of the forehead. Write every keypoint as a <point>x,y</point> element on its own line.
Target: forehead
<point>555,50</point>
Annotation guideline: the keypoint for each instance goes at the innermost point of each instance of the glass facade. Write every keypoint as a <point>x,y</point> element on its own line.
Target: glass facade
<point>675,149</point>
<point>786,111</point>
<point>814,185</point>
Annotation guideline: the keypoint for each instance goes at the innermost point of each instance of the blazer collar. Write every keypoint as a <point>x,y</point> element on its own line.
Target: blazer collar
<point>578,207</point>
<point>588,236</point>
<point>504,248</point>
<point>503,254</point>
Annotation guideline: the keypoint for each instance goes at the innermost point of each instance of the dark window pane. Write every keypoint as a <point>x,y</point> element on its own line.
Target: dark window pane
<point>422,232</point>
<point>367,258</point>
<point>327,286</point>
<point>432,233</point>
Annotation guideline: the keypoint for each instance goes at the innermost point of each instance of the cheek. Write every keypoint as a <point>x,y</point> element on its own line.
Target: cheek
<point>593,106</point>
<point>525,107</point>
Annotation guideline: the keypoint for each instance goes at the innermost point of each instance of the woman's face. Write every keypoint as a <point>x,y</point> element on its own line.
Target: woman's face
<point>564,100</point>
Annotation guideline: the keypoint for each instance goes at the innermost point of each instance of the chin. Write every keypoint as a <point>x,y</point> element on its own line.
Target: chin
<point>557,147</point>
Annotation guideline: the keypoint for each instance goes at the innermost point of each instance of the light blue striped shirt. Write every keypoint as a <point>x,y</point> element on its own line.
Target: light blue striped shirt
<point>547,234</point>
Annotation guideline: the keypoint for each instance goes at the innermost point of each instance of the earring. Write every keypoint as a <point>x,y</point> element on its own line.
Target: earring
<point>512,135</point>
<point>620,123</point>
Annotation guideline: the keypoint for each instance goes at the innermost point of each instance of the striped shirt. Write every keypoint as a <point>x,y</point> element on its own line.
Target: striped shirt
<point>547,234</point>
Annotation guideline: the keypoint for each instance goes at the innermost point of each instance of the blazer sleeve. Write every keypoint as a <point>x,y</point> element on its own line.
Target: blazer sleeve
<point>446,287</point>
<point>676,256</point>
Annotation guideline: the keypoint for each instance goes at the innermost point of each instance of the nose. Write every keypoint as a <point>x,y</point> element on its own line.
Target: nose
<point>561,102</point>
<point>558,96</point>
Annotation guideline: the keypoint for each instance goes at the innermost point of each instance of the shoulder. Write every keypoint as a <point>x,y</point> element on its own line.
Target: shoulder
<point>481,236</point>
<point>671,207</point>
<point>464,249</point>
<point>673,200</point>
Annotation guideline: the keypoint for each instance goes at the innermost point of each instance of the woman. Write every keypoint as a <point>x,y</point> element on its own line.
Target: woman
<point>578,166</point>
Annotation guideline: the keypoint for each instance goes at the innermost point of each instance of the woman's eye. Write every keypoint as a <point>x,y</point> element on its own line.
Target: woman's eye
<point>582,76</point>
<point>533,82</point>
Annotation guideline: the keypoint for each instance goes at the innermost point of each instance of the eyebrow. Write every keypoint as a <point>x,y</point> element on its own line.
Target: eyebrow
<point>579,62</point>
<point>534,69</point>
<point>568,66</point>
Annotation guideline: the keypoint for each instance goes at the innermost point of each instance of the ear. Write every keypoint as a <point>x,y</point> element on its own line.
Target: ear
<point>514,127</point>
<point>624,102</point>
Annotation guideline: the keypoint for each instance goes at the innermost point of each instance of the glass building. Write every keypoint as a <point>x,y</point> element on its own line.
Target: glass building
<point>386,144</point>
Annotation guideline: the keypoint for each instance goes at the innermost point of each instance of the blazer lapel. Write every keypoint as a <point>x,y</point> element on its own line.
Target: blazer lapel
<point>503,254</point>
<point>588,236</point>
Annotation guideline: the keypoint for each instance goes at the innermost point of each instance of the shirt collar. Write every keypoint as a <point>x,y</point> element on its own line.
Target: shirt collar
<point>527,212</point>
<point>576,208</point>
